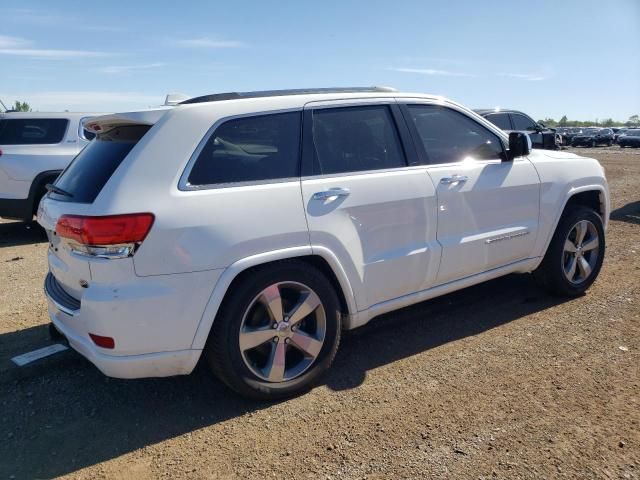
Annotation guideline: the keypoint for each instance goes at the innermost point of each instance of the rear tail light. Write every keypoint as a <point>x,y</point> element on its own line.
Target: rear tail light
<point>104,342</point>
<point>112,236</point>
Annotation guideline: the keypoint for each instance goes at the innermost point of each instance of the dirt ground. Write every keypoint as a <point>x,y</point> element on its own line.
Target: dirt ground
<point>495,381</point>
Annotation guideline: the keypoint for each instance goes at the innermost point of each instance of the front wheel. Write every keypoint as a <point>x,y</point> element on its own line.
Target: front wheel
<point>575,254</point>
<point>277,332</point>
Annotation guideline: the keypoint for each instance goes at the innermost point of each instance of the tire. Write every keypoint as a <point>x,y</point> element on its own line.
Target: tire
<point>253,371</point>
<point>609,143</point>
<point>593,144</point>
<point>554,272</point>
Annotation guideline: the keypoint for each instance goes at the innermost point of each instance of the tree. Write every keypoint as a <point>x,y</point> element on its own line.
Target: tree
<point>21,107</point>
<point>563,121</point>
<point>633,120</point>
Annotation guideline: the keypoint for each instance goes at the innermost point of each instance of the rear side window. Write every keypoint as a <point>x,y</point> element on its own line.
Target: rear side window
<point>354,139</point>
<point>94,165</point>
<point>32,131</point>
<point>500,120</point>
<point>520,122</point>
<point>449,136</point>
<point>250,149</point>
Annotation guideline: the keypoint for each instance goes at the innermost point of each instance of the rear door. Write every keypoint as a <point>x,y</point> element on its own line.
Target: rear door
<point>367,200</point>
<point>34,145</point>
<point>525,124</point>
<point>487,207</point>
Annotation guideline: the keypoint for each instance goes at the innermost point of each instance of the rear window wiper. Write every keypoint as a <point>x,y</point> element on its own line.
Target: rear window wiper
<point>52,188</point>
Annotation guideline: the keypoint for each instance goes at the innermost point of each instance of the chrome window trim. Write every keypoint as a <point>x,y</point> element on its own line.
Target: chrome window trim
<point>185,186</point>
<point>81,129</point>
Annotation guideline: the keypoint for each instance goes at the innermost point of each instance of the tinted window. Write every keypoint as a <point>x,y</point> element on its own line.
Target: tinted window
<point>250,149</point>
<point>34,131</point>
<point>500,120</point>
<point>94,165</point>
<point>520,122</point>
<point>449,136</point>
<point>355,139</point>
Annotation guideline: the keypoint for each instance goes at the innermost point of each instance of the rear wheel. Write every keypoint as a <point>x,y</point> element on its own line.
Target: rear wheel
<point>276,333</point>
<point>575,254</point>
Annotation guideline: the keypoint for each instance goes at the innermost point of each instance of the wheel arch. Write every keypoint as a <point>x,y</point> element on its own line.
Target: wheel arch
<point>320,258</point>
<point>37,186</point>
<point>592,196</point>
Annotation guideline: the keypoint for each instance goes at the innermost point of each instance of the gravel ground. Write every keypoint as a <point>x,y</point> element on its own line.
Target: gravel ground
<point>495,381</point>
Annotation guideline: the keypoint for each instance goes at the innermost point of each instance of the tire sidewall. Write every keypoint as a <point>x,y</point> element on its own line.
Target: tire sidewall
<point>233,311</point>
<point>573,216</point>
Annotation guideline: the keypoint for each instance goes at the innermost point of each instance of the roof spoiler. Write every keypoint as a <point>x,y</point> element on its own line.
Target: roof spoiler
<point>105,123</point>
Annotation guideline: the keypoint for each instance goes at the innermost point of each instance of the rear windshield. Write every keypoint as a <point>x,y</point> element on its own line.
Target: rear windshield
<point>32,131</point>
<point>93,166</point>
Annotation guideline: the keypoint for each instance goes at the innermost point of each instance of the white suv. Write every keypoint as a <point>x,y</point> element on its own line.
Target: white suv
<point>34,149</point>
<point>254,227</point>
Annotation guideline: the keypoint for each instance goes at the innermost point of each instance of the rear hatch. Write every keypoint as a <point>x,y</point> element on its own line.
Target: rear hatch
<point>74,192</point>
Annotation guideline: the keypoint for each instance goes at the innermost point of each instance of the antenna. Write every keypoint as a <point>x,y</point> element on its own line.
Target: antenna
<point>4,106</point>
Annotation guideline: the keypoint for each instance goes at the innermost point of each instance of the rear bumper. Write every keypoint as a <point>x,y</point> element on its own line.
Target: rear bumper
<point>69,320</point>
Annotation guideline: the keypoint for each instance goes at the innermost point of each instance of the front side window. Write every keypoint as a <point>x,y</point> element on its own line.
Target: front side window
<point>520,122</point>
<point>250,149</point>
<point>355,139</point>
<point>500,120</point>
<point>32,131</point>
<point>449,136</point>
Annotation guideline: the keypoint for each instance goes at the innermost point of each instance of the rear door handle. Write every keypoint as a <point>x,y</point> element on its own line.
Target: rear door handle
<point>454,179</point>
<point>331,193</point>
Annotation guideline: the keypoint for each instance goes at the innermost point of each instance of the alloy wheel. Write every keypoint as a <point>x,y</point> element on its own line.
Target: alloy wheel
<point>282,331</point>
<point>581,251</point>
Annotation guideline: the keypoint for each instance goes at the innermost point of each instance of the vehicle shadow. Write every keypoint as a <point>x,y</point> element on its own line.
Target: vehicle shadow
<point>20,233</point>
<point>630,213</point>
<point>72,417</point>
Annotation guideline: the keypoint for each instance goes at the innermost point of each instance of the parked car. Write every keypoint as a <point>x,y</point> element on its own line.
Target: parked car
<point>592,137</point>
<point>515,121</point>
<point>34,149</point>
<point>631,138</point>
<point>617,134</point>
<point>251,228</point>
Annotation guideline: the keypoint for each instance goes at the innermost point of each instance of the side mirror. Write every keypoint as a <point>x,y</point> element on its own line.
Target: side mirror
<point>519,145</point>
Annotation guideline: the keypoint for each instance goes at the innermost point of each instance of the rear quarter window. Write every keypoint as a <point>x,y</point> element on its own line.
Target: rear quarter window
<point>34,131</point>
<point>87,174</point>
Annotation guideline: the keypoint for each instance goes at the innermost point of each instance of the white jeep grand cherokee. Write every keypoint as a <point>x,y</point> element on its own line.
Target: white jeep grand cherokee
<point>253,227</point>
<point>34,149</point>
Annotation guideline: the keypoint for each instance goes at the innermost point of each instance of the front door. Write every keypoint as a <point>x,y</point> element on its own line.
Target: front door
<point>487,207</point>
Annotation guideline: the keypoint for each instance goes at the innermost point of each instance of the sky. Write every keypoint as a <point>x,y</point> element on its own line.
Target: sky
<point>547,58</point>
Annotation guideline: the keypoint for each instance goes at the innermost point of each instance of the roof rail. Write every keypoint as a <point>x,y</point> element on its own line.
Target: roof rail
<point>217,97</point>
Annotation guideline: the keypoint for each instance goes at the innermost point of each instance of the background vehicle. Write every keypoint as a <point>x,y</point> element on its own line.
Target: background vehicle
<point>617,134</point>
<point>254,226</point>
<point>515,121</point>
<point>592,137</point>
<point>631,138</point>
<point>35,148</point>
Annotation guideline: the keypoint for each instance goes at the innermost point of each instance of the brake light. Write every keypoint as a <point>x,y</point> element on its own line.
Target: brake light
<point>107,230</point>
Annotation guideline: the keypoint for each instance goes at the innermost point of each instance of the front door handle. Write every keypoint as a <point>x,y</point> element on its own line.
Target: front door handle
<point>454,179</point>
<point>331,193</point>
